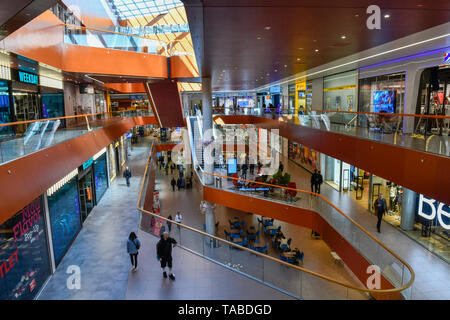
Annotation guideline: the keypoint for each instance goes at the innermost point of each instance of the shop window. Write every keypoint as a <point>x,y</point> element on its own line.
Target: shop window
<point>24,260</point>
<point>101,176</point>
<point>65,220</point>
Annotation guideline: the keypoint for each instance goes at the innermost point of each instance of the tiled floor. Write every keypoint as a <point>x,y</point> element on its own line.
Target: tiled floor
<point>100,248</point>
<point>196,278</point>
<point>317,253</point>
<point>100,252</point>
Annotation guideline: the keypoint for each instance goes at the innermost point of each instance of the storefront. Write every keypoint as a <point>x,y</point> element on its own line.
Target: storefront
<point>304,156</point>
<point>113,168</point>
<point>86,189</point>
<point>434,99</point>
<point>24,256</point>
<point>339,92</point>
<point>100,174</point>
<point>5,108</point>
<point>65,214</point>
<point>291,101</point>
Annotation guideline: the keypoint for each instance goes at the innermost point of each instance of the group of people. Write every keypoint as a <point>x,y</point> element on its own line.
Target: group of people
<point>163,248</point>
<point>316,181</point>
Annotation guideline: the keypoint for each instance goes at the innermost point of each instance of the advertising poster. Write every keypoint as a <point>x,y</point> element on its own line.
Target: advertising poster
<point>158,226</point>
<point>24,262</point>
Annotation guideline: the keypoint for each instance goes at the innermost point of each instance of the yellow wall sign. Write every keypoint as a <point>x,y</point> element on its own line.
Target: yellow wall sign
<point>353,86</point>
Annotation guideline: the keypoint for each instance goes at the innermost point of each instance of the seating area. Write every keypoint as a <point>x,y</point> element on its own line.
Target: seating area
<point>272,234</point>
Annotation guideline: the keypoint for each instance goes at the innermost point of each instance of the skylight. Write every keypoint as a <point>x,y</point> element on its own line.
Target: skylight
<point>126,9</point>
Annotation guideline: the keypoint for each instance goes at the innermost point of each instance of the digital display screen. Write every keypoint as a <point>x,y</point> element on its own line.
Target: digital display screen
<point>232,165</point>
<point>384,101</point>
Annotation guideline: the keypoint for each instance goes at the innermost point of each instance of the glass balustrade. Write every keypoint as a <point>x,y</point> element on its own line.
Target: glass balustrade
<point>289,278</point>
<point>381,127</point>
<point>26,137</point>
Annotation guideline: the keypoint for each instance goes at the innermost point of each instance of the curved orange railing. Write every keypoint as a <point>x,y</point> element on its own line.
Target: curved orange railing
<point>375,292</point>
<point>404,287</point>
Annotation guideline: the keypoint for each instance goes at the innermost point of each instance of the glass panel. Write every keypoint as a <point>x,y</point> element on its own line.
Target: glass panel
<point>283,277</point>
<point>65,217</point>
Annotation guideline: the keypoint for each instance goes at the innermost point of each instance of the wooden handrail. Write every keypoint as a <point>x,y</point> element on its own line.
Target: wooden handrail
<point>353,112</point>
<point>327,278</point>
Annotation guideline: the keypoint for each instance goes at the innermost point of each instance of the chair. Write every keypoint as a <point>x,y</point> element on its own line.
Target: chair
<point>300,259</point>
<point>236,235</point>
<point>264,249</point>
<point>227,234</point>
<point>260,221</point>
<point>289,242</point>
<point>291,193</point>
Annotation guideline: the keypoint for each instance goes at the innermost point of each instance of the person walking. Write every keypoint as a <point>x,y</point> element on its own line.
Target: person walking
<point>380,206</point>
<point>314,180</point>
<point>169,224</point>
<point>179,183</point>
<point>167,169</point>
<point>178,218</point>
<point>281,168</point>
<point>127,175</point>
<point>133,245</point>
<point>164,253</point>
<point>252,169</point>
<point>319,181</point>
<point>173,183</point>
<point>244,170</point>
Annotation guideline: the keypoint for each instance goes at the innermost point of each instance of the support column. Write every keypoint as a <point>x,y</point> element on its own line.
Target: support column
<point>411,94</point>
<point>208,210</point>
<point>207,127</point>
<point>408,209</point>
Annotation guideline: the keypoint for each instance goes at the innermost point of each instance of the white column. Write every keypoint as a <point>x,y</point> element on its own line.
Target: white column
<point>408,210</point>
<point>411,94</point>
<point>208,209</point>
<point>207,126</point>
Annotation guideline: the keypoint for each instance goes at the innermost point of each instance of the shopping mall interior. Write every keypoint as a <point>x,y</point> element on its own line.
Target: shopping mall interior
<point>260,150</point>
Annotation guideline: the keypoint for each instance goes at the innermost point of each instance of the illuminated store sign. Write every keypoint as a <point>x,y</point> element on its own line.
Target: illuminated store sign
<point>28,78</point>
<point>88,163</point>
<point>447,57</point>
<point>430,209</point>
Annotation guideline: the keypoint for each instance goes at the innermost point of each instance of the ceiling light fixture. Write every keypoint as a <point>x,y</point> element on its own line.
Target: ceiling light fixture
<point>386,16</point>
<point>285,65</point>
<point>317,50</point>
<point>298,59</point>
<point>267,27</point>
<point>259,38</point>
<point>343,37</point>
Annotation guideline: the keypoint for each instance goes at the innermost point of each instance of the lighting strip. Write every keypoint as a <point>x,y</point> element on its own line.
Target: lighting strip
<point>99,154</point>
<point>61,182</point>
<point>355,61</point>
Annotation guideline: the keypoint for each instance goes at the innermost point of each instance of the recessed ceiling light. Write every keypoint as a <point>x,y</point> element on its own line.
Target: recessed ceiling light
<point>357,15</point>
<point>386,16</point>
<point>267,27</point>
<point>314,40</point>
<point>268,74</point>
<point>259,38</point>
<point>298,59</point>
<point>317,50</point>
<point>343,37</point>
<point>285,65</point>
<point>300,48</point>
<point>276,70</point>
<point>420,5</point>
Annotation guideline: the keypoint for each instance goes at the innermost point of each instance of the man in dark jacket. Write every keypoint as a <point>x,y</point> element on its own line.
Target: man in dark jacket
<point>314,180</point>
<point>319,181</point>
<point>127,175</point>
<point>173,183</point>
<point>179,183</point>
<point>380,206</point>
<point>164,252</point>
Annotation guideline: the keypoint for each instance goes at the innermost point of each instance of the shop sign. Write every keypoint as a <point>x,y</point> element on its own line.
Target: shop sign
<point>430,209</point>
<point>88,163</point>
<point>28,78</point>
<point>447,57</point>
